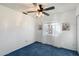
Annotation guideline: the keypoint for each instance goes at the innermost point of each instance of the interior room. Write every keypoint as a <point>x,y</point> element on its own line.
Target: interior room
<point>39,29</point>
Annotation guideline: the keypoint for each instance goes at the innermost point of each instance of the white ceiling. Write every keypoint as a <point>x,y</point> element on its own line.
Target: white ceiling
<point>59,7</point>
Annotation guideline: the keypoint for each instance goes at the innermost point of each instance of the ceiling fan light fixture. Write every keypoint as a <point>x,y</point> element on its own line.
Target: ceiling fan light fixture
<point>39,14</point>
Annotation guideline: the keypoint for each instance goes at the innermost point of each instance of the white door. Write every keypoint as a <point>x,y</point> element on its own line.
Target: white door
<point>51,32</point>
<point>77,33</point>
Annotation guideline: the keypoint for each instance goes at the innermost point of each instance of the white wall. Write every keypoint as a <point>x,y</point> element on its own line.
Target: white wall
<point>16,30</point>
<point>66,39</point>
<point>38,33</point>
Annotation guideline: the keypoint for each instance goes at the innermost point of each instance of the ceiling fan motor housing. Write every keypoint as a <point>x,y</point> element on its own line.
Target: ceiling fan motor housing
<point>40,8</point>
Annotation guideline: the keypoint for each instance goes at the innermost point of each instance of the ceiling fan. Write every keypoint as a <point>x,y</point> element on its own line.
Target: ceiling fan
<point>39,9</point>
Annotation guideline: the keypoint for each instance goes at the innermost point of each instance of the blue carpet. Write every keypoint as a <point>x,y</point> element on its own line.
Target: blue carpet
<point>39,49</point>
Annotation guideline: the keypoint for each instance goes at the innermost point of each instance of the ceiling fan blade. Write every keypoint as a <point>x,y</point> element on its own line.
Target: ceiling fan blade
<point>31,11</point>
<point>24,13</point>
<point>35,4</point>
<point>45,13</point>
<point>50,8</point>
<point>28,12</point>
